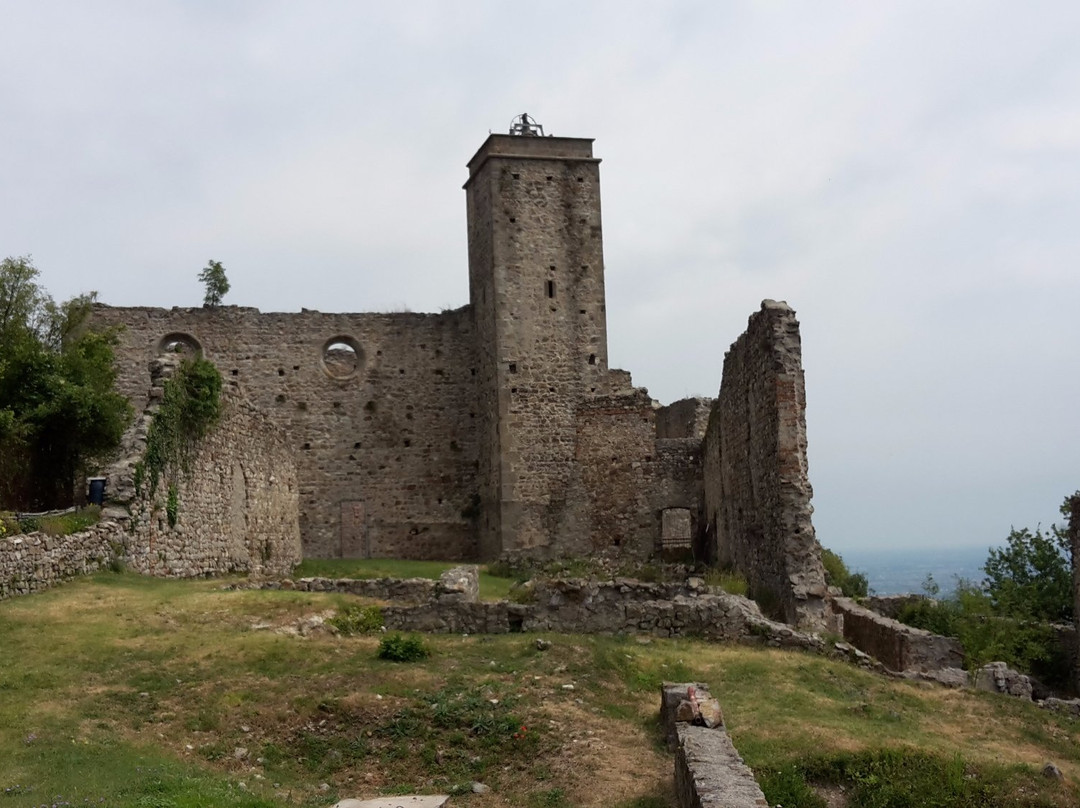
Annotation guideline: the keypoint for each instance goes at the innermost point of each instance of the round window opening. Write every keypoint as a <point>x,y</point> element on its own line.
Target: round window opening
<point>177,343</point>
<point>341,357</point>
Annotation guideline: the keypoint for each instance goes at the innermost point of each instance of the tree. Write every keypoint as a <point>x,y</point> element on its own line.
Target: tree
<point>1031,577</point>
<point>58,409</point>
<point>217,285</point>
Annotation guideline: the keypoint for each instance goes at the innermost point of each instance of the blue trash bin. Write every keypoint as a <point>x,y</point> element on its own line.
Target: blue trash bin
<point>96,495</point>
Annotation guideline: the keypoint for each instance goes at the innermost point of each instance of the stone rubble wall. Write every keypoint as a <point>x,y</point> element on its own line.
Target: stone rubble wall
<point>238,502</point>
<point>897,646</point>
<point>386,457</point>
<point>33,562</point>
<point>709,771</point>
<point>892,605</point>
<point>757,488</point>
<point>622,606</point>
<point>687,418</point>
<point>238,505</point>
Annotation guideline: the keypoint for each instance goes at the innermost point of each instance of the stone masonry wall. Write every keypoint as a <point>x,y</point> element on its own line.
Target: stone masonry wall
<point>614,452</point>
<point>708,769</point>
<point>34,561</point>
<point>897,646</point>
<point>238,505</point>
<point>537,294</point>
<point>688,418</point>
<point>757,489</point>
<point>386,456</point>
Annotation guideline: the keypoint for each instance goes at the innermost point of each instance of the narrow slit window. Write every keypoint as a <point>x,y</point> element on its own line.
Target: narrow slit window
<point>592,359</point>
<point>551,288</point>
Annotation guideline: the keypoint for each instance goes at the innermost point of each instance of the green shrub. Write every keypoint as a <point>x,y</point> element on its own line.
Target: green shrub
<point>969,615</point>
<point>852,584</point>
<point>358,619</point>
<point>402,648</point>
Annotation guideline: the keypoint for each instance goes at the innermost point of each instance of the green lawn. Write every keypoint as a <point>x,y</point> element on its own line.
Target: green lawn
<point>120,690</point>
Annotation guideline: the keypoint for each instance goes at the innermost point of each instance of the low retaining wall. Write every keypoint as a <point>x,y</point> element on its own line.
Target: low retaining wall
<point>897,646</point>
<point>407,590</point>
<point>451,605</point>
<point>709,773</point>
<point>32,562</point>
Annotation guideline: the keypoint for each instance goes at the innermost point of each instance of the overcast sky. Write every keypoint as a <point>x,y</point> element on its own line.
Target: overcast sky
<point>905,174</point>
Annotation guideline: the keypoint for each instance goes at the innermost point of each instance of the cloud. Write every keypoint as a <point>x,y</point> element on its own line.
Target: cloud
<point>904,174</point>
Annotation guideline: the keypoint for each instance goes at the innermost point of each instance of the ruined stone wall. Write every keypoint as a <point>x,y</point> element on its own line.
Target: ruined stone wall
<point>687,418</point>
<point>33,562</point>
<point>757,489</point>
<point>614,451</point>
<point>238,504</point>
<point>895,645</point>
<point>386,455</point>
<point>708,769</point>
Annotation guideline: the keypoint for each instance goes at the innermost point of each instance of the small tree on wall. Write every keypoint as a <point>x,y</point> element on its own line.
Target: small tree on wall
<point>217,285</point>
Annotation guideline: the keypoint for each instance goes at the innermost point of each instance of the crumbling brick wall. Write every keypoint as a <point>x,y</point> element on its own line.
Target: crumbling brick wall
<point>757,489</point>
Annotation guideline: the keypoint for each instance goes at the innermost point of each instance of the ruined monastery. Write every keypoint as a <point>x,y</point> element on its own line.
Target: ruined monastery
<point>497,429</point>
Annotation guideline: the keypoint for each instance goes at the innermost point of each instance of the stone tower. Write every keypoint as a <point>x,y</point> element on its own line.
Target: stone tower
<point>536,283</point>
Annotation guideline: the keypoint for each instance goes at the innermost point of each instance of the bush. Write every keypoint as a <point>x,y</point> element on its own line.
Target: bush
<point>970,616</point>
<point>358,619</point>
<point>402,648</point>
<point>852,584</point>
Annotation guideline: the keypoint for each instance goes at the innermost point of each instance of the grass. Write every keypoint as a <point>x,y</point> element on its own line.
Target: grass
<point>142,692</point>
<point>63,524</point>
<point>492,587</point>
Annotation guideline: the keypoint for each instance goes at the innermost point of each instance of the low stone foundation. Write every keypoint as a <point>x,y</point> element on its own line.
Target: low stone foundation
<point>709,773</point>
<point>33,562</point>
<point>451,605</point>
<point>897,646</point>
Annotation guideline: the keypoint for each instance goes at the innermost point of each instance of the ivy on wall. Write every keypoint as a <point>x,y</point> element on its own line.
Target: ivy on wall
<point>190,406</point>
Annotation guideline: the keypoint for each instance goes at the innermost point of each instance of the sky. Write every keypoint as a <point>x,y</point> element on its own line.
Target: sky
<point>906,175</point>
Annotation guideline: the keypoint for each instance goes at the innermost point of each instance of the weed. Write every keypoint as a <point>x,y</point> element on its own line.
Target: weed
<point>788,787</point>
<point>402,648</point>
<point>552,798</point>
<point>172,505</point>
<point>731,581</point>
<point>358,619</point>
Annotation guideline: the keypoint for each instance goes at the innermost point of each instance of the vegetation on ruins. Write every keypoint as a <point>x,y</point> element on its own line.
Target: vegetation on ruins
<point>357,619</point>
<point>851,584</point>
<point>59,413</point>
<point>59,524</point>
<point>125,690</point>
<point>1008,617</point>
<point>215,282</point>
<point>190,406</point>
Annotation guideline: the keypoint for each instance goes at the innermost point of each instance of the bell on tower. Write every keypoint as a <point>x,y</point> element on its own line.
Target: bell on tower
<point>524,126</point>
